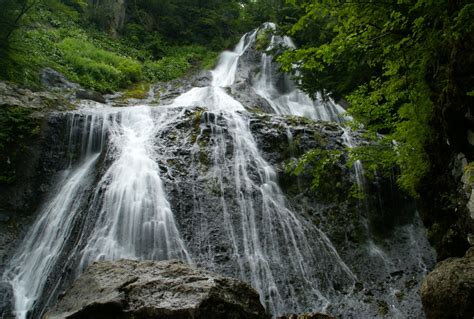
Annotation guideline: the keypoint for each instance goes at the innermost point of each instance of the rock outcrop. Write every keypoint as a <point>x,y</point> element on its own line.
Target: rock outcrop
<point>150,289</point>
<point>31,152</point>
<point>54,80</point>
<point>6,301</point>
<point>90,95</point>
<point>15,96</point>
<point>312,315</point>
<point>448,291</point>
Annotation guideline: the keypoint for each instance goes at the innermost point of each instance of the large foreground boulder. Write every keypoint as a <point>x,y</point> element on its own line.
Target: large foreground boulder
<point>150,289</point>
<point>448,291</point>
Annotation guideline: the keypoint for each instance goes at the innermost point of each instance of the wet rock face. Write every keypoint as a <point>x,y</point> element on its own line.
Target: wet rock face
<point>149,289</point>
<point>448,291</point>
<point>6,301</point>
<point>52,79</point>
<point>90,95</point>
<point>195,151</point>
<point>33,158</point>
<point>166,92</point>
<point>35,167</point>
<point>379,237</point>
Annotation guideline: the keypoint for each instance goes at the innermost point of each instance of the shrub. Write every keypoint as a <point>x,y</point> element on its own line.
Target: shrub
<point>97,68</point>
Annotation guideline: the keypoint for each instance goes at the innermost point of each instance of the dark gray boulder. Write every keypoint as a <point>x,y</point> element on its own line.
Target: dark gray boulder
<point>90,95</point>
<point>52,79</point>
<point>448,291</point>
<point>12,95</point>
<point>202,79</point>
<point>6,301</point>
<point>151,289</point>
<point>312,315</point>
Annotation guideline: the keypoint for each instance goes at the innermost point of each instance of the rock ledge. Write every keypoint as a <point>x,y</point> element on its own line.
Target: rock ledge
<point>448,291</point>
<point>150,289</point>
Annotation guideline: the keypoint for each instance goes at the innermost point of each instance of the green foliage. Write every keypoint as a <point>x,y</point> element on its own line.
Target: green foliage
<point>213,23</point>
<point>166,69</point>
<point>318,162</point>
<point>136,91</point>
<point>12,14</point>
<point>397,63</point>
<point>263,39</point>
<point>15,123</point>
<point>376,158</point>
<point>97,68</point>
<point>357,192</point>
<point>91,58</point>
<point>254,13</point>
<point>178,62</point>
<point>469,172</point>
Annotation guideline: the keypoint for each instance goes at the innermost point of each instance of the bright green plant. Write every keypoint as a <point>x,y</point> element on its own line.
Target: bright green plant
<point>97,68</point>
<point>397,63</point>
<point>318,163</point>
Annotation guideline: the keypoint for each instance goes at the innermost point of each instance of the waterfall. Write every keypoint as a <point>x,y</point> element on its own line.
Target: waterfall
<point>42,248</point>
<point>134,217</point>
<point>129,212</point>
<point>113,199</point>
<point>283,95</point>
<point>271,237</point>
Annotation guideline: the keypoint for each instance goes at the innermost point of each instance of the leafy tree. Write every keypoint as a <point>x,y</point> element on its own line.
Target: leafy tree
<point>11,14</point>
<point>213,23</point>
<point>402,65</point>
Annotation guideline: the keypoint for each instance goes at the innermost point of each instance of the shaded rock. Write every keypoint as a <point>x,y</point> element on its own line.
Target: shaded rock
<point>12,95</point>
<point>90,95</point>
<point>202,79</point>
<point>6,301</point>
<point>245,94</point>
<point>150,289</point>
<point>448,291</point>
<point>51,78</point>
<point>312,315</point>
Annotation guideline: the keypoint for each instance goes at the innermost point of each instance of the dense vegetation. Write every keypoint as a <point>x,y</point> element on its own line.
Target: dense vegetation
<point>405,67</point>
<point>106,45</point>
<point>402,65</point>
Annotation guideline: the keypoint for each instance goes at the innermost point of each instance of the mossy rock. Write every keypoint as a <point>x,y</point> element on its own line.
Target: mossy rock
<point>138,91</point>
<point>263,39</point>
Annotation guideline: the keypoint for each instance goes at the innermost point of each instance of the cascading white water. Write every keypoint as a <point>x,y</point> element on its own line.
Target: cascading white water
<point>134,219</point>
<point>116,191</point>
<point>224,73</point>
<point>358,169</point>
<point>373,249</point>
<point>271,240</point>
<point>41,249</point>
<point>292,101</point>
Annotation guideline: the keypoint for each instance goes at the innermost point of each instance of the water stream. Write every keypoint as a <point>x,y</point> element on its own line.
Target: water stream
<point>266,258</point>
<point>111,201</point>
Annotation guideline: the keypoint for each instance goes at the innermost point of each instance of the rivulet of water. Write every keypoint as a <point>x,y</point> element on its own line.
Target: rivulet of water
<point>111,200</point>
<point>40,251</point>
<point>128,209</point>
<point>272,247</point>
